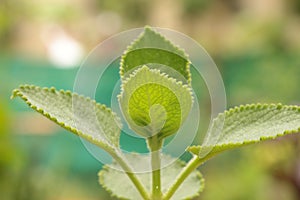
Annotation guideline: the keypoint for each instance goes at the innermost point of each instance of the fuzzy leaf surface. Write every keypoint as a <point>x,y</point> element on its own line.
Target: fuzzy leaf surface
<point>154,103</point>
<point>82,116</point>
<point>117,183</point>
<point>248,124</point>
<point>153,48</point>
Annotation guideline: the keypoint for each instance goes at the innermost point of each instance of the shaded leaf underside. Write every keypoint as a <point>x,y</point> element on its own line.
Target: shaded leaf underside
<point>118,184</point>
<point>152,47</point>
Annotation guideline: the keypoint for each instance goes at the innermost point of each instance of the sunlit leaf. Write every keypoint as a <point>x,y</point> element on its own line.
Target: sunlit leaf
<point>154,103</point>
<point>249,124</point>
<point>82,116</point>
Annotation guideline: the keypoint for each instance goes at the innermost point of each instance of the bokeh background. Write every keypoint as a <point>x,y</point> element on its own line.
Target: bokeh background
<point>255,44</point>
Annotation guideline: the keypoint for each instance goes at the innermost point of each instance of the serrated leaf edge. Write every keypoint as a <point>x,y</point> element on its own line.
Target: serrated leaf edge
<point>195,148</point>
<point>101,182</point>
<point>158,73</point>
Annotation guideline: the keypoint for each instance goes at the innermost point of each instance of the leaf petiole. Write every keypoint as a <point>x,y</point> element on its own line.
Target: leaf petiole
<point>155,145</point>
<point>187,170</point>
<point>128,170</point>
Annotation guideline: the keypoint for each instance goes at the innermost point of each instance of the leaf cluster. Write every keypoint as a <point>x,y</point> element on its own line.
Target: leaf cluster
<point>155,100</point>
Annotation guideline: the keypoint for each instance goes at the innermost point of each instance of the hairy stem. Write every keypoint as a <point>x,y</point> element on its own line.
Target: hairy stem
<point>187,170</point>
<point>155,145</point>
<point>128,170</point>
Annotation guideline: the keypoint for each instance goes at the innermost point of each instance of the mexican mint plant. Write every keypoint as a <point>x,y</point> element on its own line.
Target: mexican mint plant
<point>155,101</point>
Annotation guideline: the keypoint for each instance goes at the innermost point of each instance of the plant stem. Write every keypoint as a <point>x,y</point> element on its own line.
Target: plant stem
<point>187,170</point>
<point>155,145</point>
<point>156,182</point>
<point>128,170</point>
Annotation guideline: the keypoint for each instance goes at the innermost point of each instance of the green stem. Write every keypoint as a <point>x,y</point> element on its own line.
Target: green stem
<point>156,178</point>
<point>128,170</point>
<point>187,170</point>
<point>155,145</point>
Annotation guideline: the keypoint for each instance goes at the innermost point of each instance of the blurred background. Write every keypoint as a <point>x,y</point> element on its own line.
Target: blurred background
<point>255,44</point>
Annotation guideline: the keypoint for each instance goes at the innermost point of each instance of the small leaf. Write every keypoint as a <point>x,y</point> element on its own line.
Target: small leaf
<point>117,183</point>
<point>154,103</point>
<point>248,124</point>
<point>82,116</point>
<point>152,48</point>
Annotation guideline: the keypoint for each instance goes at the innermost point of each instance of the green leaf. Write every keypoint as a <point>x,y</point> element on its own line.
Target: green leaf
<point>117,183</point>
<point>152,48</point>
<point>154,103</point>
<point>82,116</point>
<point>248,124</point>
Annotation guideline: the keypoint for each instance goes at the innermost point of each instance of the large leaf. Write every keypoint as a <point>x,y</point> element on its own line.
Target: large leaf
<point>78,114</point>
<point>152,48</point>
<point>248,124</point>
<point>118,184</point>
<point>154,103</point>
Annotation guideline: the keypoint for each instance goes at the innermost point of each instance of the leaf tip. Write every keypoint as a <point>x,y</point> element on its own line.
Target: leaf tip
<point>148,28</point>
<point>15,93</point>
